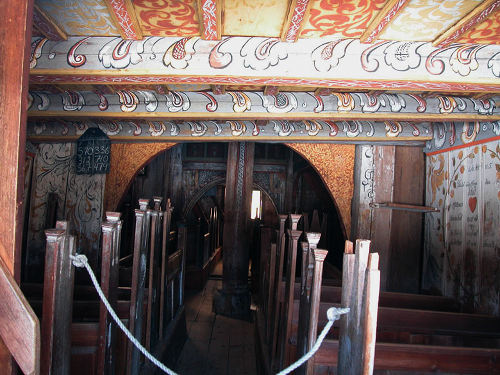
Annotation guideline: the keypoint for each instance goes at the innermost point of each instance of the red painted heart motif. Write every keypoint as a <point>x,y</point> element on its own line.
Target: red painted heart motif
<point>472,204</point>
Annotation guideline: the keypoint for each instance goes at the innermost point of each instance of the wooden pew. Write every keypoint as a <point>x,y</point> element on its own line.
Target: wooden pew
<point>418,359</point>
<point>416,333</point>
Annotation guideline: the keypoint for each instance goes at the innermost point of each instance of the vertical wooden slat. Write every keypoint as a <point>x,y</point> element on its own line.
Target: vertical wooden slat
<point>141,241</point>
<point>164,258</point>
<point>265,243</point>
<point>270,293</point>
<point>293,235</point>
<point>57,303</point>
<point>319,257</point>
<point>308,249</point>
<point>105,347</point>
<point>182,236</point>
<point>151,276</point>
<point>350,357</point>
<point>369,314</point>
<point>15,43</point>
<point>277,299</point>
<point>347,280</point>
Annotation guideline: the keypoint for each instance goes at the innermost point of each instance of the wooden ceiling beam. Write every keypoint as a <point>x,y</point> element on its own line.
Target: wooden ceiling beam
<point>322,91</point>
<point>271,90</point>
<point>476,16</point>
<point>210,18</point>
<point>297,12</point>
<point>218,89</point>
<point>382,19</point>
<point>47,26</point>
<point>122,13</point>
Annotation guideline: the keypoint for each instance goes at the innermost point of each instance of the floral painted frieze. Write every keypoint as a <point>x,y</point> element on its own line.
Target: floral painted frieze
<point>143,103</point>
<point>385,65</point>
<point>388,131</point>
<point>451,135</point>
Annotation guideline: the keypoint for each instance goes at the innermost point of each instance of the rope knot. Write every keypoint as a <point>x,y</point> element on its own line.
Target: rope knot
<point>333,313</point>
<point>79,260</point>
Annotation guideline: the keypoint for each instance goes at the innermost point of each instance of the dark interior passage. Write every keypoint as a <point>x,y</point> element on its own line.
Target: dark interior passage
<point>215,344</point>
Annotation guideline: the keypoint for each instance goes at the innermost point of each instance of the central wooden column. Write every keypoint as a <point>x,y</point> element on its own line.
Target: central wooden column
<point>234,298</point>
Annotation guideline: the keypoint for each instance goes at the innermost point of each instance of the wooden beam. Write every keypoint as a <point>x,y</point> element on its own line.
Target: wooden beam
<point>123,15</point>
<point>422,358</point>
<point>382,19</point>
<point>210,18</point>
<point>218,89</point>
<point>322,91</point>
<point>15,35</point>
<point>297,12</point>
<point>476,16</point>
<point>57,301</point>
<point>46,25</point>
<point>271,90</point>
<point>19,326</point>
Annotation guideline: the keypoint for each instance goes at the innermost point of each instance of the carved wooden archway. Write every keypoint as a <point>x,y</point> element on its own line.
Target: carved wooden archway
<point>333,162</point>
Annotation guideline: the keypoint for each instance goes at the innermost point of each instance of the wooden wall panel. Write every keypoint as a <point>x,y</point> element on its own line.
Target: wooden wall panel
<point>461,258</point>
<point>50,176</point>
<point>335,165</point>
<point>80,199</point>
<point>406,227</point>
<point>15,35</point>
<point>126,160</point>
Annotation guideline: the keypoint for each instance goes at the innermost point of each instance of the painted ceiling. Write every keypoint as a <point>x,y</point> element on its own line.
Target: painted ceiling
<point>345,54</point>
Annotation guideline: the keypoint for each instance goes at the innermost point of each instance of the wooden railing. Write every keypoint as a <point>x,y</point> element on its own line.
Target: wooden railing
<point>19,326</point>
<point>416,333</point>
<point>151,305</point>
<point>163,269</point>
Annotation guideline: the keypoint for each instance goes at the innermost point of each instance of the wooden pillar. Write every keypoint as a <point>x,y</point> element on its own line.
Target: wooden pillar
<point>234,298</point>
<point>360,291</point>
<point>293,237</point>
<point>57,303</point>
<point>289,183</point>
<point>141,241</point>
<point>167,215</point>
<point>279,276</point>
<point>109,286</point>
<point>15,39</point>
<point>306,285</point>
<point>319,258</point>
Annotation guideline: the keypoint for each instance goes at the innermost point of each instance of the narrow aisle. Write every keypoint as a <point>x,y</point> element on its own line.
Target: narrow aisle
<point>216,345</point>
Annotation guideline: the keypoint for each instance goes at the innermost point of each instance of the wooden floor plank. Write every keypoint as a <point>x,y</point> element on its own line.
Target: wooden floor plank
<point>217,345</point>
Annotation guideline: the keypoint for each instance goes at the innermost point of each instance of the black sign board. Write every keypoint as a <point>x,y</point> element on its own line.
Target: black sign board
<point>93,151</point>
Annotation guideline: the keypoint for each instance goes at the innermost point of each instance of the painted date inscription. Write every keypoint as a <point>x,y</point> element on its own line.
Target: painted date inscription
<point>93,152</point>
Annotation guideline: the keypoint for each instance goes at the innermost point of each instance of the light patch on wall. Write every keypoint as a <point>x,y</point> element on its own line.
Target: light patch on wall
<point>256,210</point>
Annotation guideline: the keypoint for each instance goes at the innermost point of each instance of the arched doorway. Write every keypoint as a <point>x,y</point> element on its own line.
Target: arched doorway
<point>186,172</point>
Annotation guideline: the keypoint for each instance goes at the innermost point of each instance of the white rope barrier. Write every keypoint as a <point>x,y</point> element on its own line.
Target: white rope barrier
<point>81,261</point>
<point>333,314</point>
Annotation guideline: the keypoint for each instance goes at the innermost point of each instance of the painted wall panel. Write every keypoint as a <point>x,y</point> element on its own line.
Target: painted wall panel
<point>254,18</point>
<point>424,20</point>
<point>80,200</point>
<point>167,18</point>
<point>486,32</point>
<point>462,252</point>
<point>81,17</point>
<point>341,19</point>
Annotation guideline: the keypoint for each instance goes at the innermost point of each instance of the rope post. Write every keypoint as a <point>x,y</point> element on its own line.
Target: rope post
<point>305,293</point>
<point>293,237</point>
<point>319,258</point>
<point>167,216</point>
<point>57,302</point>
<point>105,353</point>
<point>141,240</point>
<point>278,296</point>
